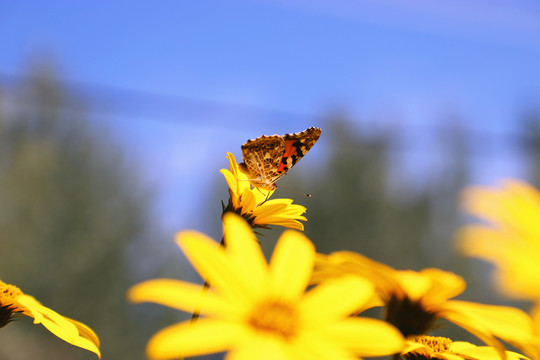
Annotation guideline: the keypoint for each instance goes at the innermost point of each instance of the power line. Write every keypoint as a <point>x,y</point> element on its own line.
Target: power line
<point>164,107</point>
<point>152,106</point>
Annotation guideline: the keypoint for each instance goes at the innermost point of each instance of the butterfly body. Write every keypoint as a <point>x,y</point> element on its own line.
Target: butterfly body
<point>269,157</point>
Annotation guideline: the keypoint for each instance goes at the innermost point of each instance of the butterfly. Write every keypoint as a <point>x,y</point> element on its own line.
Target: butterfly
<point>268,158</point>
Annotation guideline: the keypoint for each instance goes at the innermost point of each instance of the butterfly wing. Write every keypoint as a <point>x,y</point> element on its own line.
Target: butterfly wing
<point>262,157</point>
<point>268,158</point>
<point>296,146</point>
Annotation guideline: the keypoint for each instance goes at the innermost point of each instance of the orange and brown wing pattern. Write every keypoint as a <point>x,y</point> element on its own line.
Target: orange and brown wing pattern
<point>268,158</point>
<point>296,146</point>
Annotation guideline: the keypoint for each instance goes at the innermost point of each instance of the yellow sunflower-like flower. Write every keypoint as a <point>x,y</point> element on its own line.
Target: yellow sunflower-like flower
<point>256,310</point>
<point>14,303</point>
<point>415,300</point>
<point>511,238</point>
<point>435,347</point>
<point>253,204</point>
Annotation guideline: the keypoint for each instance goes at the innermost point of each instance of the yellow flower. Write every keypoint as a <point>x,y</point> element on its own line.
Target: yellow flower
<point>415,300</point>
<point>434,347</point>
<point>253,204</point>
<point>510,239</point>
<point>13,303</point>
<point>256,310</point>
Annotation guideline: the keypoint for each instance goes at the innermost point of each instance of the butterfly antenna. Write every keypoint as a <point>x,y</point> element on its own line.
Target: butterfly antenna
<point>293,190</point>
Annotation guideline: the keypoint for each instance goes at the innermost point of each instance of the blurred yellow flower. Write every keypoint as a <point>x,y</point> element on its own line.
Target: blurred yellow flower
<point>415,300</point>
<point>256,310</point>
<point>511,238</point>
<point>434,347</point>
<point>253,204</point>
<point>14,303</point>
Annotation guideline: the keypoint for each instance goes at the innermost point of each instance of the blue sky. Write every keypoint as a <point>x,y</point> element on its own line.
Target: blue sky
<point>294,55</point>
<point>275,67</point>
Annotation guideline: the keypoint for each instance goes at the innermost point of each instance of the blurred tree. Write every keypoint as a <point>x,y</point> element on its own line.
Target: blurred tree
<point>354,209</point>
<point>530,145</point>
<point>69,207</point>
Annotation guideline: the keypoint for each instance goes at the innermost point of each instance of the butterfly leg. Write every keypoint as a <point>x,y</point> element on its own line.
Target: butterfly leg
<point>266,196</point>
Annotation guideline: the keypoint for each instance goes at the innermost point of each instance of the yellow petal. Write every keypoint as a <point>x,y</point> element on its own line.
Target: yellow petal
<point>279,201</point>
<point>212,263</point>
<point>335,299</point>
<point>283,214</point>
<point>233,186</point>
<point>231,181</point>
<point>53,321</point>
<point>516,205</point>
<point>288,223</point>
<point>448,356</point>
<point>249,201</point>
<point>444,285</point>
<point>205,336</point>
<point>244,250</point>
<point>232,164</point>
<point>413,283</point>
<point>488,321</point>
<point>272,207</point>
<point>87,339</point>
<point>291,265</point>
<point>261,195</point>
<point>260,348</point>
<point>59,326</point>
<point>413,346</point>
<point>29,306</point>
<point>182,296</point>
<point>535,315</point>
<point>317,347</point>
<point>64,328</point>
<point>280,208</point>
<point>516,260</point>
<point>365,336</point>
<point>482,242</point>
<point>481,352</point>
<point>479,331</point>
<point>339,263</point>
<point>238,182</point>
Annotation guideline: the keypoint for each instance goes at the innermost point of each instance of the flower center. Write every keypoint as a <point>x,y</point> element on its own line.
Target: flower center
<point>436,343</point>
<point>8,295</point>
<point>276,318</point>
<point>409,316</point>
